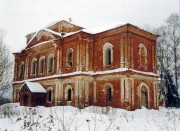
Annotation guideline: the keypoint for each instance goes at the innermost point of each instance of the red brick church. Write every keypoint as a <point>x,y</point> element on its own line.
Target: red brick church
<point>65,64</point>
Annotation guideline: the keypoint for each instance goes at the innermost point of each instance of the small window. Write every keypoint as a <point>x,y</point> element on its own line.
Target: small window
<point>108,94</point>
<point>69,95</point>
<point>107,55</point>
<point>21,70</point>
<point>50,63</point>
<point>33,66</point>
<point>41,65</point>
<point>49,95</point>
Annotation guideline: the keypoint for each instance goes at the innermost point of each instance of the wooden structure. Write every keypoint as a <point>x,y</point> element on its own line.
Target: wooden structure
<point>32,94</point>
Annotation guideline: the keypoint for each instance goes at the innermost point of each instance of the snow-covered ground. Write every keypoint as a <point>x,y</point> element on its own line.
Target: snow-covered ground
<point>66,118</point>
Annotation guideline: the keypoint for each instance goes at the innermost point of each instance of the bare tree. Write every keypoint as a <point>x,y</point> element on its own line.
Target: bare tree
<point>168,57</point>
<point>5,67</point>
<point>173,26</point>
<point>168,54</point>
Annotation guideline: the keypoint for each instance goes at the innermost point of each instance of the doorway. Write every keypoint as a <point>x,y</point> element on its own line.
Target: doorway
<point>144,97</point>
<point>25,99</point>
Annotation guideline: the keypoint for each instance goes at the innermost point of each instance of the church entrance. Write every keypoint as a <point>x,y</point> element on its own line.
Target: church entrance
<point>144,97</point>
<point>25,99</point>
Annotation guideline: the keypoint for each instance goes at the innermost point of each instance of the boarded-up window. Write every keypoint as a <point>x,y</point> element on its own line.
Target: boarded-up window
<point>69,58</point>
<point>142,55</point>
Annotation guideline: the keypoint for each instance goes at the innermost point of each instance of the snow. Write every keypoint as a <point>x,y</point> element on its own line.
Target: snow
<point>15,117</point>
<point>71,33</point>
<point>33,36</point>
<point>91,31</point>
<point>41,43</point>
<point>59,34</point>
<point>104,27</point>
<point>53,32</point>
<point>35,87</point>
<point>145,73</point>
<point>111,71</point>
<point>91,73</point>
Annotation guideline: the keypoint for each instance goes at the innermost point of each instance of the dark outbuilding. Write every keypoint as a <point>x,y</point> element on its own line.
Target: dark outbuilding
<point>32,94</point>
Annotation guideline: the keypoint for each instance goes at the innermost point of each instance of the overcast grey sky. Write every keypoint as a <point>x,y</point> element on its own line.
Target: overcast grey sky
<point>20,17</point>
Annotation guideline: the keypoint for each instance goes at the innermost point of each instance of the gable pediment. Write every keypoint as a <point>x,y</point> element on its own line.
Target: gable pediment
<point>64,26</point>
<point>41,36</point>
<point>32,87</point>
<point>24,89</point>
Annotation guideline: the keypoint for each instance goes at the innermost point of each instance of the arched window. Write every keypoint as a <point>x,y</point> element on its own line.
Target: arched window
<point>143,55</point>
<point>41,65</point>
<point>109,91</point>
<point>107,54</point>
<point>69,95</point>
<point>49,95</point>
<point>50,63</point>
<point>108,94</point>
<point>21,69</point>
<point>69,58</point>
<point>33,66</point>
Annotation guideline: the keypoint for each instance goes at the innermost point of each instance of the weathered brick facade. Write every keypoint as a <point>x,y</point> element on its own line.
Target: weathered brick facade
<point>115,67</point>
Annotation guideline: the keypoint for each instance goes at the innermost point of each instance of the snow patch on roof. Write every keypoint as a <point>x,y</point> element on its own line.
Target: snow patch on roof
<point>111,71</point>
<point>145,73</point>
<point>104,28</point>
<point>71,33</point>
<point>35,87</point>
<point>90,31</point>
<point>53,32</point>
<point>33,37</point>
<point>41,43</point>
<point>60,33</point>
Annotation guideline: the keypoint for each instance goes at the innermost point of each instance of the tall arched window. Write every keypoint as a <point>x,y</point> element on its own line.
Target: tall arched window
<point>107,54</point>
<point>41,64</point>
<point>33,66</point>
<point>109,91</point>
<point>69,95</point>
<point>21,69</point>
<point>69,58</point>
<point>50,63</point>
<point>49,95</point>
<point>108,94</point>
<point>142,55</point>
